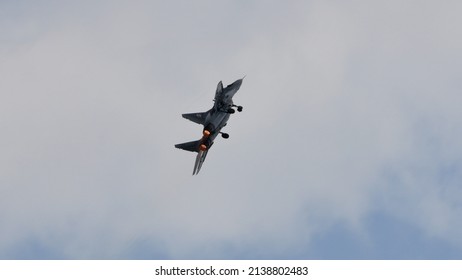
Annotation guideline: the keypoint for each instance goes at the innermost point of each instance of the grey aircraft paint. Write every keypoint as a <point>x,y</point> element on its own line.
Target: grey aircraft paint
<point>213,121</point>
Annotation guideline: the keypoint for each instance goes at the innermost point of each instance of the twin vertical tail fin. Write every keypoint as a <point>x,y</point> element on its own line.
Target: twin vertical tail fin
<point>200,158</point>
<point>194,146</point>
<point>200,146</point>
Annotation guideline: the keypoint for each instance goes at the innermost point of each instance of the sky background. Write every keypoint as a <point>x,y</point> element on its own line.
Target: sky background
<point>349,145</point>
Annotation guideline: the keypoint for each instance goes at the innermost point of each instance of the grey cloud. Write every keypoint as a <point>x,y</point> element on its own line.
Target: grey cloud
<point>350,109</point>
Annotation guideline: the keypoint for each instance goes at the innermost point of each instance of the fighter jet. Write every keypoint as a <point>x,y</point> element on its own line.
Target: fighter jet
<point>213,121</point>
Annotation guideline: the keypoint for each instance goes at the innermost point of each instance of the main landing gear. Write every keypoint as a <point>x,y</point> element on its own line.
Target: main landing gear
<point>224,135</point>
<point>239,108</point>
<point>232,111</point>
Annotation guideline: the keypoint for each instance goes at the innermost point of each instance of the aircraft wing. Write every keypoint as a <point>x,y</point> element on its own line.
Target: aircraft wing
<point>200,158</point>
<point>196,117</point>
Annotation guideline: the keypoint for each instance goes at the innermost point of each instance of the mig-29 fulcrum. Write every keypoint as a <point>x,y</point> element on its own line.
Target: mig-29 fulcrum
<point>213,121</point>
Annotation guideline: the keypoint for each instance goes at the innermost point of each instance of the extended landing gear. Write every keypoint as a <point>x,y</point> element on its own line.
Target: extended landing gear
<point>232,111</point>
<point>239,108</point>
<point>224,135</point>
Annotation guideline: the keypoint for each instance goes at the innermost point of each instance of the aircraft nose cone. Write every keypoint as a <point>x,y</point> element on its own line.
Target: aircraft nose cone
<point>238,83</point>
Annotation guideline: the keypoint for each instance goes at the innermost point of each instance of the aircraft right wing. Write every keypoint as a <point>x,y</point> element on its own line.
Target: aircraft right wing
<point>196,117</point>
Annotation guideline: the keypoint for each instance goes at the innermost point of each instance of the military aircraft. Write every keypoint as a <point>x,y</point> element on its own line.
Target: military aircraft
<point>213,121</point>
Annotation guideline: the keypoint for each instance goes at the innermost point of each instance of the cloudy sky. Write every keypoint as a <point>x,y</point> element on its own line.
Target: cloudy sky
<point>349,145</point>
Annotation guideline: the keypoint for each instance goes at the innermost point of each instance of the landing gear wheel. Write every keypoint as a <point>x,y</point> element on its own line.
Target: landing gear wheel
<point>239,108</point>
<point>225,135</point>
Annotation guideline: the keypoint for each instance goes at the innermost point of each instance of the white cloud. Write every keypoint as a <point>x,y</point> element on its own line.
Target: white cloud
<point>349,108</point>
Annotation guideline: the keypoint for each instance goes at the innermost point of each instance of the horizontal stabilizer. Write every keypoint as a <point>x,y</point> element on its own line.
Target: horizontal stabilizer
<point>192,146</point>
<point>196,117</point>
